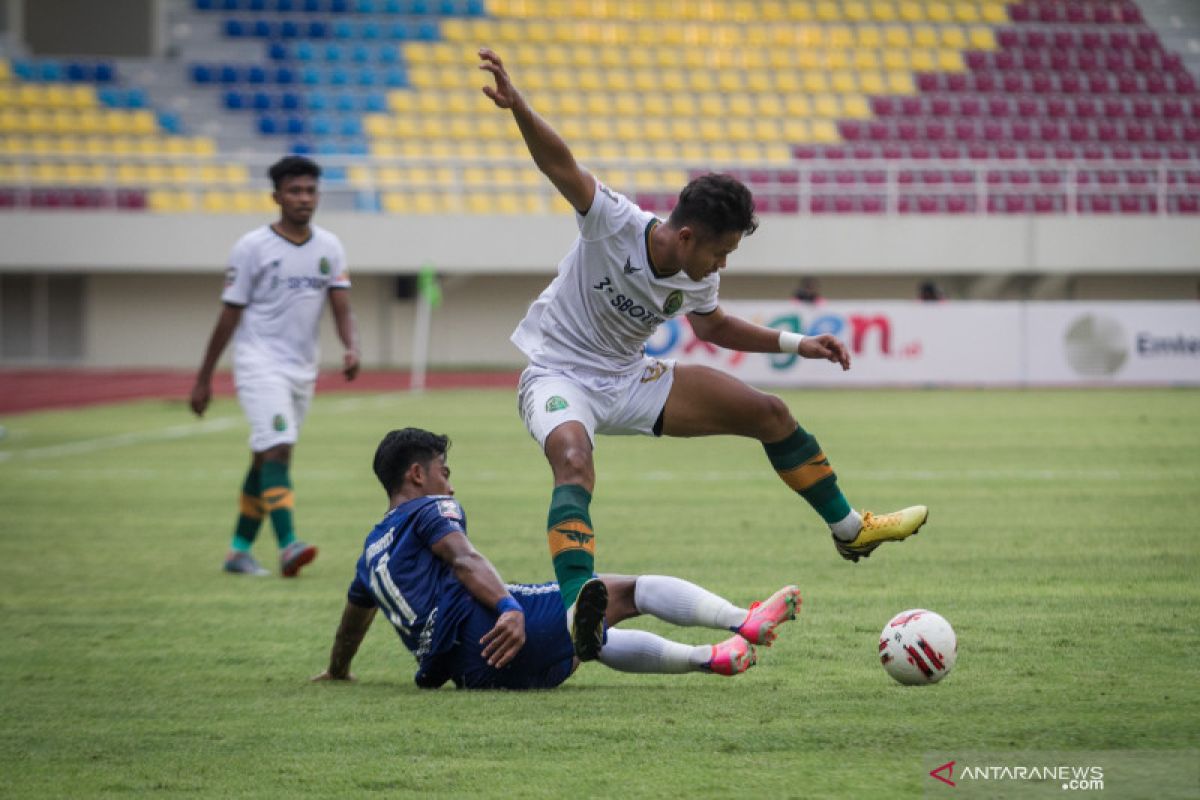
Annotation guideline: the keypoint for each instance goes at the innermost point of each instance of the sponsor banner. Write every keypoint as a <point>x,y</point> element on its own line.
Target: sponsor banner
<point>899,343</point>
<point>1114,343</point>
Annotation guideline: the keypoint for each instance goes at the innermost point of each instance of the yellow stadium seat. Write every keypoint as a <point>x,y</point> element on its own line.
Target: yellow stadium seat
<point>870,37</point>
<point>865,60</point>
<point>923,61</point>
<point>721,153</point>
<point>966,11</point>
<point>768,105</point>
<point>982,38</point>
<point>692,151</point>
<point>897,36</point>
<point>844,82</point>
<point>840,37</point>
<point>950,61</point>
<point>855,11</point>
<point>629,130</point>
<point>378,126</point>
<point>828,11</point>
<point>856,106</point>
<point>788,82</point>
<point>824,131</point>
<point>883,11</point>
<point>954,38</point>
<point>712,104</point>
<point>359,176</point>
<point>181,174</point>
<point>739,130</point>
<point>872,83</point>
<point>683,130</point>
<point>800,11</point>
<point>5,70</point>
<point>798,105</point>
<point>778,153</point>
<point>767,130</point>
<point>217,203</point>
<point>937,12</point>
<point>201,145</point>
<point>740,105</point>
<point>748,151</point>
<point>816,82</point>
<point>994,13</point>
<point>730,81</point>
<point>896,60</point>
<point>795,130</point>
<point>382,149</point>
<point>628,104</point>
<point>710,130</point>
<point>900,83</point>
<point>161,201</point>
<point>910,11</point>
<point>828,106</point>
<point>925,36</point>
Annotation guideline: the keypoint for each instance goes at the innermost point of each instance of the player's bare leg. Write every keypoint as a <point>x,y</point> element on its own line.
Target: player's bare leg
<point>707,402</point>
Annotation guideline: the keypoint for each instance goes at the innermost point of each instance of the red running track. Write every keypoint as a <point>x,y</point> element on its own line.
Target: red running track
<point>40,389</point>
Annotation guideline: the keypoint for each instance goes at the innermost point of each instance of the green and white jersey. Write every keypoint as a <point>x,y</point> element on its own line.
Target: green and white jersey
<point>282,287</point>
<point>607,300</point>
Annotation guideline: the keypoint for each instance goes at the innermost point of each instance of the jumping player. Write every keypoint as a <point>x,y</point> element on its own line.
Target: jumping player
<point>275,288</point>
<point>584,337</point>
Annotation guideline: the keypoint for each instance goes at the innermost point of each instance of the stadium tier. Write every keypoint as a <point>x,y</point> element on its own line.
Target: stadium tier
<point>823,106</point>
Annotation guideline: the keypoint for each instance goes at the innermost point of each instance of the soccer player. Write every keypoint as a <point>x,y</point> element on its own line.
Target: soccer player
<point>275,288</point>
<point>584,337</point>
<point>463,624</point>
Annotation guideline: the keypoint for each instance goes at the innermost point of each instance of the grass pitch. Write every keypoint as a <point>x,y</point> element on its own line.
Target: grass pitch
<point>1062,546</point>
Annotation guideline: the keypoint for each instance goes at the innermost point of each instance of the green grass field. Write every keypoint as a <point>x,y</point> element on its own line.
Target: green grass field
<point>1062,545</point>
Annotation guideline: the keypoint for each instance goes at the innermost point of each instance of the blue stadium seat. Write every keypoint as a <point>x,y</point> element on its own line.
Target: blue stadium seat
<point>284,76</point>
<point>475,8</point>
<point>370,30</point>
<point>284,5</point>
<point>301,148</point>
<point>201,73</point>
<point>316,101</point>
<point>367,201</point>
<point>321,126</point>
<point>204,5</point>
<point>278,52</point>
<point>268,126</point>
<point>228,75</point>
<point>338,77</point>
<point>312,6</point>
<point>339,6</point>
<point>361,54</point>
<point>235,101</point>
<point>289,101</point>
<point>345,102</point>
<point>428,32</point>
<point>263,29</point>
<point>334,53</point>
<point>105,73</point>
<point>417,8</point>
<point>318,30</point>
<point>365,7</point>
<point>389,54</point>
<point>396,78</point>
<point>256,75</point>
<point>398,31</point>
<point>343,30</point>
<point>171,123</point>
<point>257,6</point>
<point>375,103</point>
<point>304,52</point>
<point>333,174</point>
<point>289,30</point>
<point>236,29</point>
<point>350,127</point>
<point>366,78</point>
<point>295,126</point>
<point>261,101</point>
<point>310,76</point>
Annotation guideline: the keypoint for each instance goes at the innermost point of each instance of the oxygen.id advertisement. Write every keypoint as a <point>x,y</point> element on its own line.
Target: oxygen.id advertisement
<point>900,343</point>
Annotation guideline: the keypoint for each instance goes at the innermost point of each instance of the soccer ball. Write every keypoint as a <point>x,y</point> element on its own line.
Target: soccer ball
<point>918,647</point>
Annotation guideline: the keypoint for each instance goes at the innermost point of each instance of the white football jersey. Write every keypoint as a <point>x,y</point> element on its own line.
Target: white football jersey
<point>282,287</point>
<point>606,300</point>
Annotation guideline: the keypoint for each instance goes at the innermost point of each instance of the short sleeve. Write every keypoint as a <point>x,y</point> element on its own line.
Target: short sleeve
<point>608,213</point>
<point>239,274</point>
<point>359,595</point>
<point>709,302</point>
<point>341,270</point>
<point>440,517</point>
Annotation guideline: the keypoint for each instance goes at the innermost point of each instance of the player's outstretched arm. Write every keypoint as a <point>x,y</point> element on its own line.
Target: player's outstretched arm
<point>549,151</point>
<point>502,643</point>
<point>343,320</point>
<point>735,333</point>
<point>356,621</point>
<point>227,323</point>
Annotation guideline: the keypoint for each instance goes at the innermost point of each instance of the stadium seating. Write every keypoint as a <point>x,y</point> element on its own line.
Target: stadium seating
<point>825,106</point>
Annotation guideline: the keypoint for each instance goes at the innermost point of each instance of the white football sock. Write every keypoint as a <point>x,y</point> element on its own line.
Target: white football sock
<point>682,603</point>
<point>642,651</point>
<point>847,529</point>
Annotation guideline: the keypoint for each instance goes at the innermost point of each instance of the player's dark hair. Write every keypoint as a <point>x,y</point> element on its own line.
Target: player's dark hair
<point>716,204</point>
<point>400,449</point>
<point>293,167</point>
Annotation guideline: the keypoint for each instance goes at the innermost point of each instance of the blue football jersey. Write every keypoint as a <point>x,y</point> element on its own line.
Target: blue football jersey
<point>412,587</point>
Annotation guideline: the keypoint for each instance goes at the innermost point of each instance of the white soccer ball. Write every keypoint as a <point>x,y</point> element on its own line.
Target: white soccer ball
<point>918,647</point>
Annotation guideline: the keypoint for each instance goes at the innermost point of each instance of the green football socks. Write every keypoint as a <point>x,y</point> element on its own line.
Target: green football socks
<point>572,542</point>
<point>278,501</point>
<point>802,466</point>
<point>250,512</point>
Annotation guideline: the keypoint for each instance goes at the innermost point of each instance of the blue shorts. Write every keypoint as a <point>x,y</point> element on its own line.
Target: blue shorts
<point>544,662</point>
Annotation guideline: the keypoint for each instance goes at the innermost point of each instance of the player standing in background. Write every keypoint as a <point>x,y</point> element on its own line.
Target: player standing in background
<point>463,624</point>
<point>585,340</point>
<point>275,288</point>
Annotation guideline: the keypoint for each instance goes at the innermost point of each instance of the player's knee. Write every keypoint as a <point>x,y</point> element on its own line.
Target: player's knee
<point>573,464</point>
<point>775,419</point>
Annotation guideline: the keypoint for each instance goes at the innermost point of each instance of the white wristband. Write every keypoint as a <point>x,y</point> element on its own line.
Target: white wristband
<point>790,342</point>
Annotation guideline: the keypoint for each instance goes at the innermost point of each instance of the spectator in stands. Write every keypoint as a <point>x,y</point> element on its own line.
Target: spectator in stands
<point>276,284</point>
<point>930,292</point>
<point>585,337</point>
<point>809,291</point>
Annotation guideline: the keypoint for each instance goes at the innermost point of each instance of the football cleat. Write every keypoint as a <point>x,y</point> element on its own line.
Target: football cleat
<point>244,564</point>
<point>732,657</point>
<point>764,617</point>
<point>585,619</point>
<point>295,556</point>
<point>879,528</point>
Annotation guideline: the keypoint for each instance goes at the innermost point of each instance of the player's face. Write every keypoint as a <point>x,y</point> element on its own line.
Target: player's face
<point>297,198</point>
<point>704,254</point>
<point>437,477</point>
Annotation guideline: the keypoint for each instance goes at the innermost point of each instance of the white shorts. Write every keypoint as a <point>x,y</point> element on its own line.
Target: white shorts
<point>275,405</point>
<point>603,403</point>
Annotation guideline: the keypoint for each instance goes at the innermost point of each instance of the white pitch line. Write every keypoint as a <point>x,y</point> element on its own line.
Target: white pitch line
<point>121,440</point>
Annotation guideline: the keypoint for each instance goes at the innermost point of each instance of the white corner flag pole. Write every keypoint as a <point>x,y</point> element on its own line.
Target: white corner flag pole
<point>420,356</point>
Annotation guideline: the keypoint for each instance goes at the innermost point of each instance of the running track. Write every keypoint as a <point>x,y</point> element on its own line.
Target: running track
<point>40,389</point>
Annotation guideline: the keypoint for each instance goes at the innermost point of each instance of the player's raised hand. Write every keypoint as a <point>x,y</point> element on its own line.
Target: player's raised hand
<point>502,643</point>
<point>826,346</point>
<point>201,394</point>
<point>504,94</point>
<point>350,364</point>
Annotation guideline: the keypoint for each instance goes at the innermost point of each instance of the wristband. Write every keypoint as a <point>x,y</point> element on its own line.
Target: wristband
<point>508,603</point>
<point>790,342</point>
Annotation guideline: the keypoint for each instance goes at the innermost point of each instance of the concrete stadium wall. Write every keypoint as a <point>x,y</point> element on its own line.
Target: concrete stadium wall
<point>151,284</point>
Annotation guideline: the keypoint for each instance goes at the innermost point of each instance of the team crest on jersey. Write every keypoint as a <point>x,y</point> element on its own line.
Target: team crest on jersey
<point>673,303</point>
<point>449,509</point>
<point>323,265</point>
<point>556,403</point>
<point>279,423</point>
